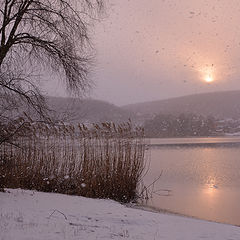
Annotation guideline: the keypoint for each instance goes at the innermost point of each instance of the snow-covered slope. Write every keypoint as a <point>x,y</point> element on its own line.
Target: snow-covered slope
<point>28,215</point>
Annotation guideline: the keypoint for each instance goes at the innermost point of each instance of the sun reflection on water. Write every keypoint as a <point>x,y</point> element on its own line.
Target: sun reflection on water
<point>211,187</point>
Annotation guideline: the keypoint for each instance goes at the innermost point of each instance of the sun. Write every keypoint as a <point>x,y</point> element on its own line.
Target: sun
<point>208,79</point>
<point>207,73</point>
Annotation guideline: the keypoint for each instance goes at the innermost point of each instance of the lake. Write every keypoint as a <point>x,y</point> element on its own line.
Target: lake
<point>200,177</point>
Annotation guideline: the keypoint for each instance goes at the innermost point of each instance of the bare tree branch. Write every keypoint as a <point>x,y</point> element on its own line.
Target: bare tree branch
<point>54,32</point>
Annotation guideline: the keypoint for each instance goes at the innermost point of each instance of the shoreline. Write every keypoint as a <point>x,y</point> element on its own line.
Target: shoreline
<point>169,212</point>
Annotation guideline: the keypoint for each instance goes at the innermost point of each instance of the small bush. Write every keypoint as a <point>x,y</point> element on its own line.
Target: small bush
<point>101,161</point>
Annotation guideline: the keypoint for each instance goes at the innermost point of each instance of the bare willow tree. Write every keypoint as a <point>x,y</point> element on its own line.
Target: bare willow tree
<point>47,35</point>
<point>51,32</point>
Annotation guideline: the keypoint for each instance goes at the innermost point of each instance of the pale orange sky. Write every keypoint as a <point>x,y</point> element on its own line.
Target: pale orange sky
<point>155,49</point>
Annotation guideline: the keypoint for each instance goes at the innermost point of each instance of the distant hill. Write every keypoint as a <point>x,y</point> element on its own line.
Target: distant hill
<point>87,110</point>
<point>218,104</point>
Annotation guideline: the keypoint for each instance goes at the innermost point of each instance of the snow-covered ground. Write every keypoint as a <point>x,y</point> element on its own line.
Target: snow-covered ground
<point>28,215</point>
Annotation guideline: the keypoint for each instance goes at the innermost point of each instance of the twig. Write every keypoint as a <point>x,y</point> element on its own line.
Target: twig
<point>59,212</point>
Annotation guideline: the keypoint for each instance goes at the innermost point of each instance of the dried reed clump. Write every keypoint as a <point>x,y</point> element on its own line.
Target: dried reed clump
<point>101,161</point>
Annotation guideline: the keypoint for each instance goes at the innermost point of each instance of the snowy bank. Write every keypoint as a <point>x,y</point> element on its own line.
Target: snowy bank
<point>29,215</point>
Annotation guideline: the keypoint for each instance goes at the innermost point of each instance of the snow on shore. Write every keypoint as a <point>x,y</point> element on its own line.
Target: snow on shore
<point>28,215</point>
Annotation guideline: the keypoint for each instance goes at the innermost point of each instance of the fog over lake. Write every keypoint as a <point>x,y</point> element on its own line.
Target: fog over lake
<point>154,50</point>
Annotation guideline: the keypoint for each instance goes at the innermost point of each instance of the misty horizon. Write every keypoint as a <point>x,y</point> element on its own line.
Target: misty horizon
<point>164,49</point>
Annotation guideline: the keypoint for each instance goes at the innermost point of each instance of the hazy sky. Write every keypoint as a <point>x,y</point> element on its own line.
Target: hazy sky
<point>155,49</point>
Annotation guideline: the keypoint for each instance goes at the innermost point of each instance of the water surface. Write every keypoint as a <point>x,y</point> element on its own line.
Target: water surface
<point>200,177</point>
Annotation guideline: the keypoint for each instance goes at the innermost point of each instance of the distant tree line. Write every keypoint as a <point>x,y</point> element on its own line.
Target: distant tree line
<point>183,125</point>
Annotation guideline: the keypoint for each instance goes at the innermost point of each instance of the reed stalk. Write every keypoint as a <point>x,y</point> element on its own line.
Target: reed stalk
<point>99,161</point>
